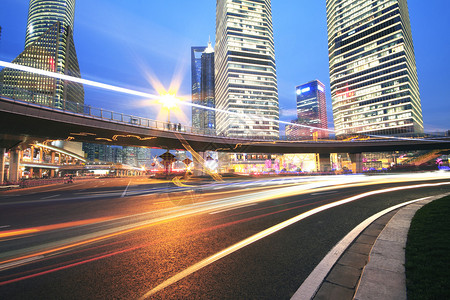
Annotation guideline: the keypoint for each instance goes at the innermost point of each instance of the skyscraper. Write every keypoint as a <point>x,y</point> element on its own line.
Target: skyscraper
<point>311,109</point>
<point>374,85</point>
<point>203,87</point>
<point>246,81</point>
<point>196,79</point>
<point>49,46</point>
<point>42,14</point>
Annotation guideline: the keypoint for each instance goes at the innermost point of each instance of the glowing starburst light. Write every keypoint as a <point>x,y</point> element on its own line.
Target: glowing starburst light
<point>174,85</point>
<point>169,101</point>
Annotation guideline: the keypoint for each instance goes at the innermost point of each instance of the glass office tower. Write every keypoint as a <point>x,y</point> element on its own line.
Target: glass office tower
<point>373,76</point>
<point>196,79</point>
<point>246,81</point>
<point>311,110</point>
<point>49,46</point>
<point>203,87</point>
<point>42,14</point>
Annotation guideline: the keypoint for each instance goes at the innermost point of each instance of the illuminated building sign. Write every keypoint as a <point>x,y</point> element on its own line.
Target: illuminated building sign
<point>300,91</point>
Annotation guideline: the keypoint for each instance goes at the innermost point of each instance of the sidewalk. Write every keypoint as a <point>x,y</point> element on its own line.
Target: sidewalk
<point>371,266</point>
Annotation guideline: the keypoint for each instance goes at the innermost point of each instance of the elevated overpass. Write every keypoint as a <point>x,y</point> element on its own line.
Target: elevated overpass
<point>23,122</point>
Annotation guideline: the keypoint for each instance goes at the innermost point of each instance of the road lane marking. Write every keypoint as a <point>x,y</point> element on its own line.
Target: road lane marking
<point>256,237</point>
<point>49,197</point>
<point>125,191</point>
<point>5,226</point>
<point>231,208</point>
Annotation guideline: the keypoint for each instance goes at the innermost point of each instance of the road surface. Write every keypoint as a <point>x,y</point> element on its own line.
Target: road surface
<point>142,238</point>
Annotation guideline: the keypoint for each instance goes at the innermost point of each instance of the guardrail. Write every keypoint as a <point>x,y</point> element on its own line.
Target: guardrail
<point>50,102</point>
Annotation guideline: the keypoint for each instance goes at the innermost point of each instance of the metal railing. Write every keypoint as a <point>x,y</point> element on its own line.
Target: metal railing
<point>50,102</point>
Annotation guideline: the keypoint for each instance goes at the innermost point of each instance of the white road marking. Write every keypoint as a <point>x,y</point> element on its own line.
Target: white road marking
<point>49,197</point>
<point>125,191</point>
<point>260,235</point>
<point>5,226</point>
<point>310,286</point>
<point>232,208</point>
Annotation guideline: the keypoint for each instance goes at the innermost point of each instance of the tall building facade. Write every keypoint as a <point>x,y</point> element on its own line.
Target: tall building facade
<point>246,81</point>
<point>203,87</point>
<point>49,46</point>
<point>373,76</point>
<point>311,110</point>
<point>42,14</point>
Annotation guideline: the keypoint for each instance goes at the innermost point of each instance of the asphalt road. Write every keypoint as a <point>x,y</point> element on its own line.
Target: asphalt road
<point>132,238</point>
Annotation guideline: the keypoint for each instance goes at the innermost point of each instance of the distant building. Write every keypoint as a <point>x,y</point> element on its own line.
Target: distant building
<point>311,111</point>
<point>97,153</point>
<point>203,87</point>
<point>144,157</point>
<point>49,46</point>
<point>196,78</point>
<point>132,156</point>
<point>373,76</point>
<point>246,81</point>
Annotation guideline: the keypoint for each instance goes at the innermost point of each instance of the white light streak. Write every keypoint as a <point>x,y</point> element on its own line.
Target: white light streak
<point>133,92</point>
<point>152,96</point>
<point>265,233</point>
<point>78,80</point>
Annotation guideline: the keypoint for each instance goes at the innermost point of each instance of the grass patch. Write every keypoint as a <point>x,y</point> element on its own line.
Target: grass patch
<point>428,252</point>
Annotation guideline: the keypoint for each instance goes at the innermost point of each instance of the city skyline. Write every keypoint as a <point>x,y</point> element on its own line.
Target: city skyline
<point>111,52</point>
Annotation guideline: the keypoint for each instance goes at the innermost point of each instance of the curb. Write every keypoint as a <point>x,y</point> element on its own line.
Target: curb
<point>383,277</point>
<point>347,271</point>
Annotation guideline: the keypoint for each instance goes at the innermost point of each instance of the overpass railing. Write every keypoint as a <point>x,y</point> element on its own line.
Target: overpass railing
<point>50,102</point>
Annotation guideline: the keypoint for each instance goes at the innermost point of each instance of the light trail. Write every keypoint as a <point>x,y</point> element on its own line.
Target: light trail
<point>201,209</point>
<point>78,80</point>
<point>265,233</point>
<point>11,233</point>
<point>156,97</point>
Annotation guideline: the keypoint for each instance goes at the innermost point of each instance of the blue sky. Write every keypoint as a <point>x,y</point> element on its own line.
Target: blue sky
<point>121,42</point>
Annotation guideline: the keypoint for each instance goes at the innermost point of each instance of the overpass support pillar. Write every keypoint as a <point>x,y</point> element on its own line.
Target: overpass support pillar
<point>323,162</point>
<point>14,159</point>
<point>357,162</point>
<point>2,164</point>
<point>198,163</point>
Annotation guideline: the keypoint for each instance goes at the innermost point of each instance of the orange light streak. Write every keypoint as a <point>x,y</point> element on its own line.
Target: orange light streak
<point>18,232</point>
<point>82,243</point>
